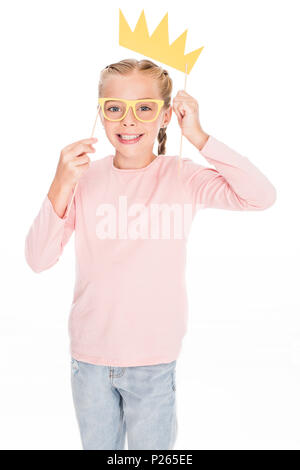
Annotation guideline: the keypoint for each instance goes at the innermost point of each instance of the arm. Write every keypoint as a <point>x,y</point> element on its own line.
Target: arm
<point>50,231</point>
<point>52,228</point>
<point>235,184</point>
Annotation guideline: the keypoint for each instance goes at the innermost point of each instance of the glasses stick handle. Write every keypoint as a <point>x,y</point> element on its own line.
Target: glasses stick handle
<point>75,188</point>
<point>180,152</point>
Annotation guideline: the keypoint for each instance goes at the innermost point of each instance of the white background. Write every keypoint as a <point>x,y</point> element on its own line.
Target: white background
<point>238,383</point>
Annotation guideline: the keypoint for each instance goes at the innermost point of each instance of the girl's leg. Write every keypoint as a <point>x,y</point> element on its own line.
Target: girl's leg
<point>98,406</point>
<point>149,394</point>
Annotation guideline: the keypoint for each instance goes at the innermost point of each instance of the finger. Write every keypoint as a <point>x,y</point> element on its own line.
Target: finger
<point>81,159</point>
<point>78,149</point>
<point>177,112</point>
<point>181,109</point>
<point>177,108</point>
<point>183,92</point>
<point>90,140</point>
<point>186,106</point>
<point>185,100</point>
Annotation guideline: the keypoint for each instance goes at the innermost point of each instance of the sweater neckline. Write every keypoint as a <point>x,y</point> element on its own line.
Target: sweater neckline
<point>132,170</point>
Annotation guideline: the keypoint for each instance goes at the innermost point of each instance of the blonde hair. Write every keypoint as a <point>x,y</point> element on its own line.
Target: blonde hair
<point>148,67</point>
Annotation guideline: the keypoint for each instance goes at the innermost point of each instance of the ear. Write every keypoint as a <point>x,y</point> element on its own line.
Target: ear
<point>168,115</point>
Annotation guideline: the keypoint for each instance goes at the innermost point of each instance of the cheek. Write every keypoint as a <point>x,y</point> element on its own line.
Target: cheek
<point>152,131</point>
<point>110,133</point>
<point>110,130</point>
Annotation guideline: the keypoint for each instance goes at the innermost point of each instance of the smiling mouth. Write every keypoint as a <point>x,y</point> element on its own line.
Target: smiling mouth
<point>129,140</point>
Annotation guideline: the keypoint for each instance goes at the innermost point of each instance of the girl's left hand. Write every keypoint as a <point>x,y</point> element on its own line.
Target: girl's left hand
<point>187,111</point>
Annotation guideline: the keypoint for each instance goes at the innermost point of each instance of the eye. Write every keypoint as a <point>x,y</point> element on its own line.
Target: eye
<point>113,107</point>
<point>145,107</point>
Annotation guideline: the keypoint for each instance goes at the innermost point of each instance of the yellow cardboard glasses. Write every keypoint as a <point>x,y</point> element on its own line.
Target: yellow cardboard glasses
<point>115,109</point>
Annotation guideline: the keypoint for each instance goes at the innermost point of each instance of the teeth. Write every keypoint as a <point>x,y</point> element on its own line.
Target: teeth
<point>131,137</point>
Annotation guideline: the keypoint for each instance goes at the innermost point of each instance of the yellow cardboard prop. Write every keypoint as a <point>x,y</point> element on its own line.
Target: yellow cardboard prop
<point>157,45</point>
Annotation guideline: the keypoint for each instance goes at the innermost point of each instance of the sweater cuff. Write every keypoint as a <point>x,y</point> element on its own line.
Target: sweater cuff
<point>216,150</point>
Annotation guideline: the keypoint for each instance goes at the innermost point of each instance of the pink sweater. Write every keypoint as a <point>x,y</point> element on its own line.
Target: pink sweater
<point>130,306</point>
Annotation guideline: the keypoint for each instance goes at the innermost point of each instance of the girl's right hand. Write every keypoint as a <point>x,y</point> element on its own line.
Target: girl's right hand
<point>74,162</point>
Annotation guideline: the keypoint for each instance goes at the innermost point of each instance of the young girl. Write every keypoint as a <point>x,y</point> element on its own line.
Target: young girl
<point>129,310</point>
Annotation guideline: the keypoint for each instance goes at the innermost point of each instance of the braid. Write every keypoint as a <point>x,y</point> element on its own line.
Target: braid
<point>162,138</point>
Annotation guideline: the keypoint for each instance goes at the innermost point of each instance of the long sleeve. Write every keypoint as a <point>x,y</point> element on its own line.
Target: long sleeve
<point>235,184</point>
<point>48,235</point>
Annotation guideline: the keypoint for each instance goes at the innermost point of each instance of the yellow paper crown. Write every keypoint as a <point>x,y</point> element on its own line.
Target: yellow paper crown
<point>157,46</point>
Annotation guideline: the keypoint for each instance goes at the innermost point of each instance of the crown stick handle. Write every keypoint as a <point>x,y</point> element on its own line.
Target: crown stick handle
<point>180,152</point>
<point>75,188</point>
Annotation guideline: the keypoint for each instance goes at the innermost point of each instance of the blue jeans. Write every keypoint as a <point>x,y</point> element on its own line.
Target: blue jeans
<point>110,401</point>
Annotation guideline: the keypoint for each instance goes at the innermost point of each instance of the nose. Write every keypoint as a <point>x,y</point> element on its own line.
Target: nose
<point>129,119</point>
